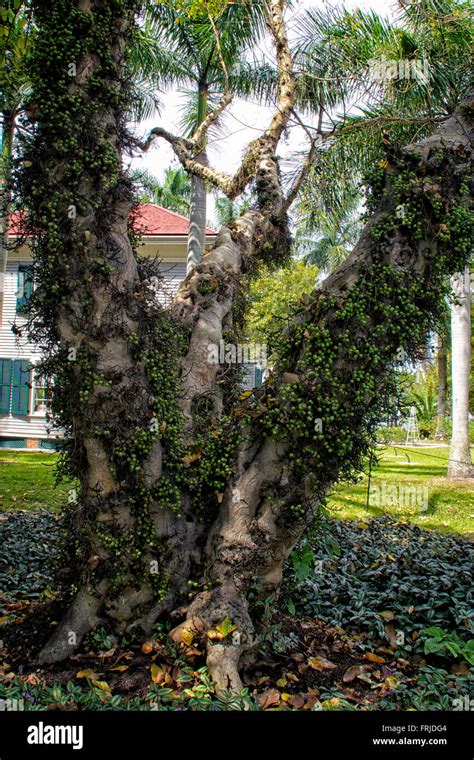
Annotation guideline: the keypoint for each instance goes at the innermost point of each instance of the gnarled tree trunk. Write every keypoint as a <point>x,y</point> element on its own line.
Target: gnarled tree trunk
<point>181,479</point>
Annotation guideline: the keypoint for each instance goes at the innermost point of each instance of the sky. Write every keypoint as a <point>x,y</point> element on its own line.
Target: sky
<point>244,120</point>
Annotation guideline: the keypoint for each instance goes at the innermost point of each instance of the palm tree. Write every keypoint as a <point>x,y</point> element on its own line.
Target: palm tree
<point>227,211</point>
<point>207,54</point>
<point>460,463</point>
<point>173,193</point>
<point>409,74</point>
<point>326,239</point>
<point>404,75</point>
<point>442,342</point>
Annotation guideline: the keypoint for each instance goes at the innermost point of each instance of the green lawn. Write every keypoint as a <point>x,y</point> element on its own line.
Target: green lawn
<point>445,505</point>
<point>27,481</point>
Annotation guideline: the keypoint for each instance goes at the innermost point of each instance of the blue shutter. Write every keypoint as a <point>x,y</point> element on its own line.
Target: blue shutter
<point>25,287</point>
<point>21,387</point>
<point>258,377</point>
<point>5,385</point>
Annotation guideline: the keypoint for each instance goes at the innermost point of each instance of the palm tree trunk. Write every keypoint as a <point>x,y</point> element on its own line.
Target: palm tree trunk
<point>8,126</point>
<point>197,212</point>
<point>460,465</point>
<point>442,362</point>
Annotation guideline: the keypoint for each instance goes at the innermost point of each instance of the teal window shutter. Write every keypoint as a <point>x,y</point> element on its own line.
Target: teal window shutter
<point>258,377</point>
<point>5,385</point>
<point>25,287</point>
<point>21,386</point>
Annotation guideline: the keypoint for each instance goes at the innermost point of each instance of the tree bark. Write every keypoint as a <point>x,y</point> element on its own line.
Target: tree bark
<point>460,462</point>
<point>8,128</point>
<point>198,200</point>
<point>181,479</point>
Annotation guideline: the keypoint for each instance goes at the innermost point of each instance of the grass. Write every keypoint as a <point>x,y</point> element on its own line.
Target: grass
<point>28,481</point>
<point>449,505</point>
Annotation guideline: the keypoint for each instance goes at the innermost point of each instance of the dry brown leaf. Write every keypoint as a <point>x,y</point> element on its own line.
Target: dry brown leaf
<point>296,701</point>
<point>151,645</point>
<point>352,672</point>
<point>321,663</point>
<point>392,635</point>
<point>371,657</point>
<point>269,698</point>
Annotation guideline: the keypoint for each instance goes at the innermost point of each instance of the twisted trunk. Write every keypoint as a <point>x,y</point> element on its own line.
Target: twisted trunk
<point>8,129</point>
<point>182,480</point>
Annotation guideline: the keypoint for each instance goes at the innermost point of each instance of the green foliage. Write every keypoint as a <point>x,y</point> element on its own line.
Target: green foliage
<point>422,578</point>
<point>449,503</point>
<point>194,691</point>
<point>272,298</point>
<point>437,641</point>
<point>29,547</point>
<point>173,193</point>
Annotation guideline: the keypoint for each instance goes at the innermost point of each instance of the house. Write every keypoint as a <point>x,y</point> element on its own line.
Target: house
<point>23,397</point>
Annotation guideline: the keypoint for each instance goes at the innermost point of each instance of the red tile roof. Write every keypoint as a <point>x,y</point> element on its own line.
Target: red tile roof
<point>155,220</point>
<point>151,221</point>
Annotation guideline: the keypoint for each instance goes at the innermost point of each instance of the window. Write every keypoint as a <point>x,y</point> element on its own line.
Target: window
<point>5,385</point>
<point>25,287</point>
<point>42,393</point>
<point>14,386</point>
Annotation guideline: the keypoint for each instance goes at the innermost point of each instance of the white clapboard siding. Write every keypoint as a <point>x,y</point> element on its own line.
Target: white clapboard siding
<point>173,274</point>
<point>12,347</point>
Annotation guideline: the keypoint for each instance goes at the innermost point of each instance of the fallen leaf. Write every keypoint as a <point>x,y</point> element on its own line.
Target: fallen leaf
<point>281,682</point>
<point>371,657</point>
<point>321,663</point>
<point>392,635</point>
<point>120,668</point>
<point>87,674</point>
<point>226,627</point>
<point>352,672</point>
<point>331,703</point>
<point>151,645</point>
<point>387,615</point>
<point>160,675</point>
<point>268,698</point>
<point>187,636</point>
<point>102,685</point>
<point>296,701</point>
